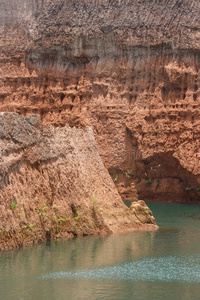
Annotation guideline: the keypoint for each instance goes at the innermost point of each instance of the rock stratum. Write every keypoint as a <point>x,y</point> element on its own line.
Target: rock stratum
<point>54,184</point>
<point>129,69</point>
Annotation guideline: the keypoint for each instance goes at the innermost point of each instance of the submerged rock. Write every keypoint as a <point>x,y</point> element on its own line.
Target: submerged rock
<point>53,184</point>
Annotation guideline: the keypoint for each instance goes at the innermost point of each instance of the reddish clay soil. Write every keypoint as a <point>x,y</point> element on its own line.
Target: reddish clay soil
<point>128,69</point>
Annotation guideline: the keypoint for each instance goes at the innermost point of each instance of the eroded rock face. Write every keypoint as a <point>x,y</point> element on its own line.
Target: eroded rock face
<point>53,183</point>
<point>129,69</point>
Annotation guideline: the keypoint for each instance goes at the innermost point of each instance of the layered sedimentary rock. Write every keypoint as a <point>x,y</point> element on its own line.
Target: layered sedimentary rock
<point>129,69</point>
<point>53,183</point>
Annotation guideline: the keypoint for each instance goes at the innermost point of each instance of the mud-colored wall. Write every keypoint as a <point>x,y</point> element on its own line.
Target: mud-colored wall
<point>129,69</point>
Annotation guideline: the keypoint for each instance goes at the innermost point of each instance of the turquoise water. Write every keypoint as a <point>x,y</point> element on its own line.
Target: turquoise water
<point>162,264</point>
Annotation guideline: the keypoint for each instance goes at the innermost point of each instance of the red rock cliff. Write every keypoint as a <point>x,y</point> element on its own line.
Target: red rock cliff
<point>53,183</point>
<point>129,69</point>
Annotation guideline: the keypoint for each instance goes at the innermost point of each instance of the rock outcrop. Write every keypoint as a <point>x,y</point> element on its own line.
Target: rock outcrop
<point>129,69</point>
<point>53,183</point>
<point>142,212</point>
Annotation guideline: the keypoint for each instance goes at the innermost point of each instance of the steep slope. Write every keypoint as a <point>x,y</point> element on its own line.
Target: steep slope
<point>53,183</point>
<point>129,69</point>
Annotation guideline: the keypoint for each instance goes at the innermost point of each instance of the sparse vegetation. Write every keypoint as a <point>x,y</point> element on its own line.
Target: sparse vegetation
<point>4,230</point>
<point>42,214</point>
<point>191,189</point>
<point>115,177</point>
<point>55,206</point>
<point>13,205</point>
<point>21,213</point>
<point>95,204</point>
<point>94,201</point>
<point>129,174</point>
<point>31,225</point>
<point>59,220</point>
<point>42,209</point>
<point>188,189</point>
<point>148,181</point>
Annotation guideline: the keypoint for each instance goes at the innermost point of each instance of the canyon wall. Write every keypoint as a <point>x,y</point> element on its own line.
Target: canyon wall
<point>54,184</point>
<point>129,69</point>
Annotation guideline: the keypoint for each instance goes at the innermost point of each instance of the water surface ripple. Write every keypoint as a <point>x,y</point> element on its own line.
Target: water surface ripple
<point>182,269</point>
